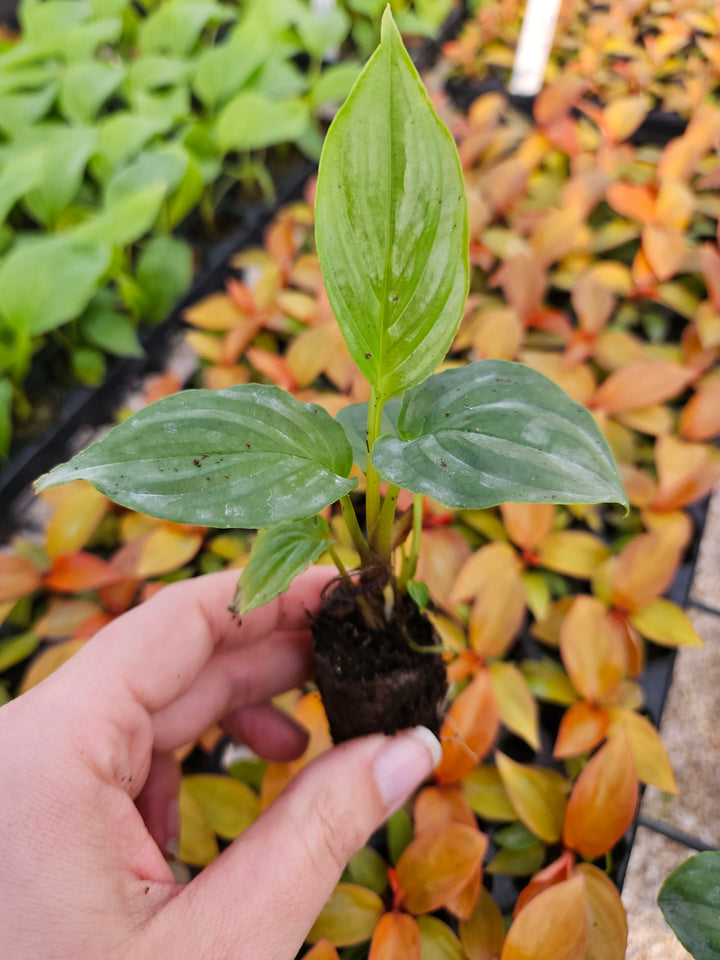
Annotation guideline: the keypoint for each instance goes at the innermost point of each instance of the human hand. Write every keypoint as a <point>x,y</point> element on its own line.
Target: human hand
<point>89,789</point>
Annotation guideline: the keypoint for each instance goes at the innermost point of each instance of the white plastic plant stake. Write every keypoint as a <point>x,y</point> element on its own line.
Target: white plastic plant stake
<point>534,46</point>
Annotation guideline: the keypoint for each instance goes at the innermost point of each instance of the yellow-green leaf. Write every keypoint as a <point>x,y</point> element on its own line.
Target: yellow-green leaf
<point>666,624</point>
<point>228,805</point>
<point>198,844</point>
<point>517,706</point>
<point>539,796</point>
<point>350,916</point>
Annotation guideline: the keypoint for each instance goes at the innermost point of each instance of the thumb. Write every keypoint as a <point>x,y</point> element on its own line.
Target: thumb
<point>262,895</point>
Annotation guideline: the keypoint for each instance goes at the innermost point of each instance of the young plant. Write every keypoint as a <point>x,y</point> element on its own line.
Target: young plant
<point>392,238</point>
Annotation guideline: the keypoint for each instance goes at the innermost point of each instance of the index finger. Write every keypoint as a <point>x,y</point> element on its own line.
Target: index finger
<point>158,649</point>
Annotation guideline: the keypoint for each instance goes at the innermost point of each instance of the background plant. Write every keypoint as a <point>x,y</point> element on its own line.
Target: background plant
<point>116,121</point>
<point>545,558</point>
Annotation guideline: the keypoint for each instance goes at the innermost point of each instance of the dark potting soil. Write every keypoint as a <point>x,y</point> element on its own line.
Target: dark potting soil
<point>371,679</point>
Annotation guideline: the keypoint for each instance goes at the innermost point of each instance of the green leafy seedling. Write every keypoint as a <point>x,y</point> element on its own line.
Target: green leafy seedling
<point>392,236</point>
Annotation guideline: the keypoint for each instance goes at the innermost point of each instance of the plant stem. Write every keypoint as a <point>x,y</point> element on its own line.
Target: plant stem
<point>338,563</point>
<point>384,528</point>
<point>351,522</point>
<point>372,491</point>
<point>410,564</point>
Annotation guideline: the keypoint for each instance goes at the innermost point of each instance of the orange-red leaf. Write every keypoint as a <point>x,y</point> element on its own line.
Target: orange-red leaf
<point>651,759</point>
<point>18,576</point>
<point>437,806</point>
<point>553,926</point>
<point>469,729</point>
<point>528,524</point>
<point>700,420</point>
<point>538,796</point>
<point>643,570</point>
<point>397,935</point>
<point>665,250</point>
<point>499,606</point>
<point>583,726</point>
<point>632,200</point>
<point>591,650</point>
<point>73,572</point>
<point>607,922</point>
<point>641,385</point>
<point>686,472</point>
<point>593,302</point>
<point>603,801</point>
<point>323,950</point>
<point>436,865</point>
<point>556,872</point>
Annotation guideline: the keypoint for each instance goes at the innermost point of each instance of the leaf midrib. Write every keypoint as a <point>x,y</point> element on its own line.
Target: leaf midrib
<point>390,231</point>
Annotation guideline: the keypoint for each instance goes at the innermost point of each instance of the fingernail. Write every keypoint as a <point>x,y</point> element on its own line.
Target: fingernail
<point>404,762</point>
<point>172,847</point>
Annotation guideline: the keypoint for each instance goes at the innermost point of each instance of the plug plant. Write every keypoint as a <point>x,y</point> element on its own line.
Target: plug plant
<point>392,238</point>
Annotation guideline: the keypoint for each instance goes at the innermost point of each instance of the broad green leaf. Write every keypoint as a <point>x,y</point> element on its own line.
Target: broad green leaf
<point>110,331</point>
<point>493,431</point>
<point>175,26</point>
<point>280,80</point>
<point>66,154</point>
<point>120,137</point>
<point>49,281</point>
<point>690,902</point>
<point>163,274</point>
<point>126,218</point>
<point>391,220</point>
<point>165,165</point>
<point>250,456</point>
<point>85,88</point>
<point>321,29</point>
<point>152,72</point>
<point>21,172</point>
<point>354,419</point>
<point>518,863</point>
<point>221,71</point>
<point>17,110</point>
<point>334,84</point>
<point>42,20</point>
<point>252,121</point>
<point>278,555</point>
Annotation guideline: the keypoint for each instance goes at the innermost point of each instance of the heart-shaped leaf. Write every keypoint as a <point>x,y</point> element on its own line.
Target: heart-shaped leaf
<point>492,431</point>
<point>689,901</point>
<point>250,456</point>
<point>391,219</point>
<point>278,555</point>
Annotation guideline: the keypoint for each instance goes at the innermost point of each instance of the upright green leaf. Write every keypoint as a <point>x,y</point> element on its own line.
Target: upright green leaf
<point>251,456</point>
<point>49,281</point>
<point>495,431</point>
<point>163,274</point>
<point>252,121</point>
<point>175,26</point>
<point>86,87</point>
<point>278,555</point>
<point>391,223</point>
<point>65,156</point>
<point>690,902</point>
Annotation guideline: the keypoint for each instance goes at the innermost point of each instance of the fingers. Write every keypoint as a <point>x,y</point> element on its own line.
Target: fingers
<point>158,649</point>
<point>157,802</point>
<point>231,679</point>
<point>268,732</point>
<point>286,865</point>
